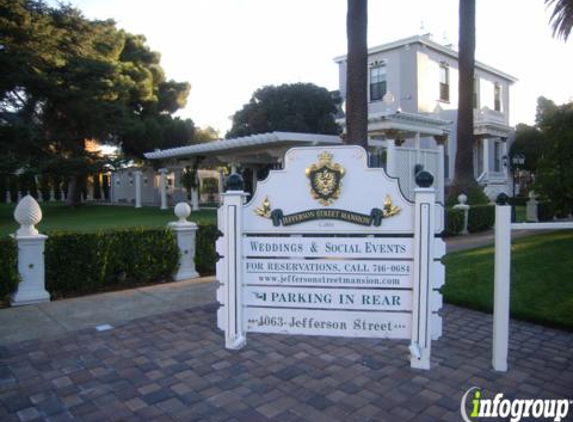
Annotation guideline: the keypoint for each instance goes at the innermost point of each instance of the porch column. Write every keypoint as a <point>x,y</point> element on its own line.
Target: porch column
<point>390,157</point>
<point>417,148</point>
<point>195,199</point>
<point>255,179</point>
<point>163,187</point>
<point>137,175</point>
<point>221,184</point>
<point>485,143</point>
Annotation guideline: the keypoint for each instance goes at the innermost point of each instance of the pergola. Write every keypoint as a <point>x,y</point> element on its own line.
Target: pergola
<point>256,153</point>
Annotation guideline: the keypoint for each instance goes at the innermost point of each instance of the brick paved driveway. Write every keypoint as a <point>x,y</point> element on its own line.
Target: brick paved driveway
<point>174,367</point>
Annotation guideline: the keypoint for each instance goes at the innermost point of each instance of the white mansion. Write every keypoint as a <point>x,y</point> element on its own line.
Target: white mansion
<point>413,96</point>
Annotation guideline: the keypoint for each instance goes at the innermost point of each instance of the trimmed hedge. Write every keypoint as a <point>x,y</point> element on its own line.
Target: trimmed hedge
<point>481,217</point>
<point>82,263</point>
<point>9,277</point>
<point>79,263</point>
<point>545,211</point>
<point>205,254</point>
<point>454,223</point>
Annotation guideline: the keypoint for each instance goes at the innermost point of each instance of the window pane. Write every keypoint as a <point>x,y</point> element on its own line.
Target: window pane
<point>377,83</point>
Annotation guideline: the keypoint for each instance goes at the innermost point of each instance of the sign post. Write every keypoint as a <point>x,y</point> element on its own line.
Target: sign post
<point>330,247</point>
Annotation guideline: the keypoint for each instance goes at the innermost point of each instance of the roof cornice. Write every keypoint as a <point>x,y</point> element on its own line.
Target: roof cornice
<point>422,40</point>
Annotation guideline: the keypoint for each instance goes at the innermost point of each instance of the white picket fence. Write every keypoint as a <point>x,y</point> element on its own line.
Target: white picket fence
<point>401,162</point>
<point>502,278</point>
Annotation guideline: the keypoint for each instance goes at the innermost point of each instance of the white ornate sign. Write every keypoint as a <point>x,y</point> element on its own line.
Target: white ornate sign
<point>328,246</point>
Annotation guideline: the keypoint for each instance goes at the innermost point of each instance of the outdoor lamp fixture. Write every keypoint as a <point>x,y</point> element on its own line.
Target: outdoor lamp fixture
<point>517,161</point>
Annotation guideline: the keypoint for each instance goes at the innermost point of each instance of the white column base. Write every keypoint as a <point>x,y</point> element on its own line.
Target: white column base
<point>29,298</point>
<point>185,233</point>
<point>31,268</point>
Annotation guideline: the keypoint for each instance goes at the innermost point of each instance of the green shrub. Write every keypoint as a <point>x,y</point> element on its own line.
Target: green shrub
<point>454,223</point>
<point>90,262</point>
<point>545,211</point>
<point>481,217</point>
<point>9,277</point>
<point>205,254</point>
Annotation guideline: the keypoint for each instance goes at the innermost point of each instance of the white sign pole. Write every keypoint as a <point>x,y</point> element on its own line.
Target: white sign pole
<point>231,250</point>
<point>422,293</point>
<point>501,286</point>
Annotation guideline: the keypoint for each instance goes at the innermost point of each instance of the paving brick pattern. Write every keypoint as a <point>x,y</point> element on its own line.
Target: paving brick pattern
<point>173,367</point>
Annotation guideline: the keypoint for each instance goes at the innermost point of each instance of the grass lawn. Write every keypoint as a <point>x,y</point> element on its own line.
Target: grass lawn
<point>520,214</point>
<point>58,216</point>
<point>541,272</point>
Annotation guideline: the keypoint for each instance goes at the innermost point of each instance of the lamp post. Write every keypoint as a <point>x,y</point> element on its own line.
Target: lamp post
<point>516,161</point>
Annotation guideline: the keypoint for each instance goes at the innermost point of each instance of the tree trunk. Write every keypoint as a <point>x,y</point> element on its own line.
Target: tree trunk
<point>357,73</point>
<point>73,198</point>
<point>464,165</point>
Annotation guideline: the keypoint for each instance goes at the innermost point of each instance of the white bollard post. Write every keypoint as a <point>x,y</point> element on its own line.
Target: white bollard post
<point>163,187</point>
<point>425,198</point>
<point>186,232</point>
<point>8,197</point>
<point>31,288</point>
<point>501,285</point>
<point>462,199</point>
<point>52,195</point>
<point>137,174</point>
<point>531,208</point>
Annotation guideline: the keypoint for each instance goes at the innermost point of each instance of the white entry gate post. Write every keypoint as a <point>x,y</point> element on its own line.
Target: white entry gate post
<point>31,288</point>
<point>502,276</point>
<point>328,246</point>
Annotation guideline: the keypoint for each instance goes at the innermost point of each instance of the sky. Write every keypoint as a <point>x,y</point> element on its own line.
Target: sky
<point>226,49</point>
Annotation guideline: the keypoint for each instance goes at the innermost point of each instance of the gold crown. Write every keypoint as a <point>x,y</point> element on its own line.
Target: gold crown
<point>325,157</point>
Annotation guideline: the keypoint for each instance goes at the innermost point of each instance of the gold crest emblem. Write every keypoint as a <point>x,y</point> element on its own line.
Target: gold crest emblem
<point>325,179</point>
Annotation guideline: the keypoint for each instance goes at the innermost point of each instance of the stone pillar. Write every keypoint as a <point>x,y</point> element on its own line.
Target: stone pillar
<point>62,196</point>
<point>8,197</point>
<point>531,208</point>
<point>137,174</point>
<point>52,195</point>
<point>31,288</point>
<point>462,205</point>
<point>89,189</point>
<point>186,234</point>
<point>163,187</point>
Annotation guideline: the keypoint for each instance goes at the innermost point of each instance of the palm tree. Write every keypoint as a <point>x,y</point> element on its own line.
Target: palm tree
<point>562,17</point>
<point>464,166</point>
<point>357,73</point>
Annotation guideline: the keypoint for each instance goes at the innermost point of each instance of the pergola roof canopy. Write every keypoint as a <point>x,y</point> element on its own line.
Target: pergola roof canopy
<point>245,144</point>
